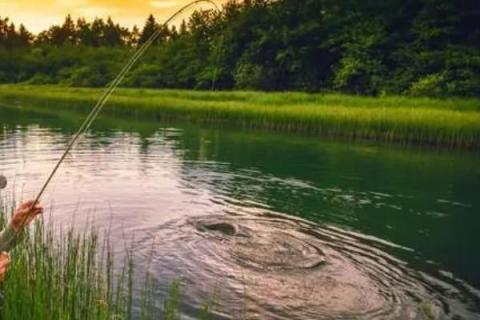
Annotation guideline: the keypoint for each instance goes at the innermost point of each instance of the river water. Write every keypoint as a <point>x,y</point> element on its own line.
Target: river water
<point>272,226</point>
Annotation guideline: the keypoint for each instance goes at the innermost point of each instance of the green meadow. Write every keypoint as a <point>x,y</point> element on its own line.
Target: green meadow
<point>448,122</point>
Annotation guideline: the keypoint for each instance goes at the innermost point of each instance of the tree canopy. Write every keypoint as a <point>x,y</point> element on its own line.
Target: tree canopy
<point>415,47</point>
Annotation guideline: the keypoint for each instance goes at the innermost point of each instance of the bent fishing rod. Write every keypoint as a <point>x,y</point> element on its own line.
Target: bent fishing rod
<point>108,93</point>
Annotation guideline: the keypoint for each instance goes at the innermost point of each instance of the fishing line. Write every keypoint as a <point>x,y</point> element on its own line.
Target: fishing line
<point>108,93</point>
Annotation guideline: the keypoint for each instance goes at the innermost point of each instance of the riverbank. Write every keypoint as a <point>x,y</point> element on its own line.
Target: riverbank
<point>451,123</point>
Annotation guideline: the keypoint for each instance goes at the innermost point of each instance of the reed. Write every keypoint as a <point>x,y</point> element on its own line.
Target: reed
<point>453,122</point>
<point>65,275</point>
<point>68,274</point>
<point>59,274</point>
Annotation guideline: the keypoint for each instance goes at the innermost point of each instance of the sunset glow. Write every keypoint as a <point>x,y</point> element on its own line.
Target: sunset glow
<point>39,15</point>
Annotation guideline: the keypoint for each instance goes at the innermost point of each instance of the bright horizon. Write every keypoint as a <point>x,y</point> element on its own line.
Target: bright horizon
<point>40,15</point>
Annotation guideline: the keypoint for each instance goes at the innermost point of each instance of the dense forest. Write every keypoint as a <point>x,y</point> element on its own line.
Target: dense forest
<point>413,47</point>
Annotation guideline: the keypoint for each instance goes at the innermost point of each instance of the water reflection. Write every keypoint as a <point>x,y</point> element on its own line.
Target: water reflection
<point>227,211</point>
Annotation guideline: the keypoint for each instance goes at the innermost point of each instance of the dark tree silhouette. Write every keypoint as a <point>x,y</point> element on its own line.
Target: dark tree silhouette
<point>413,47</point>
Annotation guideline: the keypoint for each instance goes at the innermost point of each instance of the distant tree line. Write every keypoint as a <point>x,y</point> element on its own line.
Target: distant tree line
<point>413,47</point>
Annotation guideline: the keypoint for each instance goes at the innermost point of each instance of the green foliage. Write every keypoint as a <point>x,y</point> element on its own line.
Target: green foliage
<point>248,76</point>
<point>171,305</point>
<point>149,29</point>
<point>40,79</point>
<point>145,76</point>
<point>430,85</point>
<point>360,70</point>
<point>362,47</point>
<point>460,75</point>
<point>3,77</point>
<point>88,77</point>
<point>10,37</point>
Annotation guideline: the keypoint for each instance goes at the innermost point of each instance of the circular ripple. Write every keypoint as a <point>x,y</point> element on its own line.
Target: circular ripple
<point>293,270</point>
<point>262,248</point>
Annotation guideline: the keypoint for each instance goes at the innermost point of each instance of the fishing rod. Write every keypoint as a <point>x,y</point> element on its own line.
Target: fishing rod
<point>107,94</point>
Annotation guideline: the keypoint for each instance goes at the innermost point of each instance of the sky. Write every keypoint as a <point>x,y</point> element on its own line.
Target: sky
<point>38,15</point>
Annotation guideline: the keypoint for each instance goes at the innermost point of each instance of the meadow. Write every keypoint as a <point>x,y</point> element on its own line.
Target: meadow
<point>448,122</point>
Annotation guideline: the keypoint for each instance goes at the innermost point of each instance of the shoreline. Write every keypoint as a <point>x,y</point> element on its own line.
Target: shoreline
<point>446,123</point>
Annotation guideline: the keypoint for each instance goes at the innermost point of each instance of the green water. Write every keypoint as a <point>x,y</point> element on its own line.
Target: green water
<point>418,207</point>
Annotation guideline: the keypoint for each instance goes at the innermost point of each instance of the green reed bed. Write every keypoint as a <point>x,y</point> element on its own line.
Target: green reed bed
<point>66,276</point>
<point>59,274</point>
<point>451,122</point>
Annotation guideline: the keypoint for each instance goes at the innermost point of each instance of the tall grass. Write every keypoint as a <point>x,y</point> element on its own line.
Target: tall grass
<point>451,123</point>
<point>65,275</point>
<point>58,274</point>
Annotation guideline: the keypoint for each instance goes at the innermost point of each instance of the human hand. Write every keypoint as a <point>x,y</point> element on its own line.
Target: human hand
<point>4,263</point>
<point>25,214</point>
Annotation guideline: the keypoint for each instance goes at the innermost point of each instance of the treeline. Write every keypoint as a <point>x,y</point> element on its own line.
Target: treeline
<point>414,47</point>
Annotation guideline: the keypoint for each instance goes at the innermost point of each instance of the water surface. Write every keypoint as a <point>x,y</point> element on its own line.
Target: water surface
<point>271,226</point>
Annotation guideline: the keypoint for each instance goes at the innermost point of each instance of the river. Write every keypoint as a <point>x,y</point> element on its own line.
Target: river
<point>273,226</point>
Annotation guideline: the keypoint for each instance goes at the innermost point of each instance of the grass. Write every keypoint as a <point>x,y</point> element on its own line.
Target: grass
<point>74,275</point>
<point>453,123</point>
<point>67,276</point>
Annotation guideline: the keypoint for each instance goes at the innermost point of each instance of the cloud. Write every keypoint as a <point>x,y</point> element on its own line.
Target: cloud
<point>91,12</point>
<point>38,15</point>
<point>165,4</point>
<point>71,3</point>
<point>7,5</point>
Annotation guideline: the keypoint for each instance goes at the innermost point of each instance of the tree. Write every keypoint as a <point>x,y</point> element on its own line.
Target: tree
<point>183,28</point>
<point>10,38</point>
<point>59,35</point>
<point>134,37</point>
<point>421,47</point>
<point>98,29</point>
<point>84,33</point>
<point>68,34</point>
<point>148,30</point>
<point>25,38</point>
<point>113,34</point>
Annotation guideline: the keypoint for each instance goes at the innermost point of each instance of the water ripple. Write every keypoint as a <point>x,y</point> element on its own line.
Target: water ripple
<point>286,268</point>
<point>215,220</point>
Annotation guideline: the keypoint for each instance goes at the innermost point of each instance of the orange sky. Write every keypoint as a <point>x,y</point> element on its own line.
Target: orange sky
<point>37,15</point>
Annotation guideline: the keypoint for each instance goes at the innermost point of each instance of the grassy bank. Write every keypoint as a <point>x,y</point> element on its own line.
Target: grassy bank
<point>453,123</point>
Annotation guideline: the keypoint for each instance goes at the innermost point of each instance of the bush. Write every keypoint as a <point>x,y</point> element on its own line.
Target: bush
<point>145,76</point>
<point>40,78</point>
<point>248,76</point>
<point>94,76</point>
<point>463,82</point>
<point>3,77</point>
<point>432,85</point>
